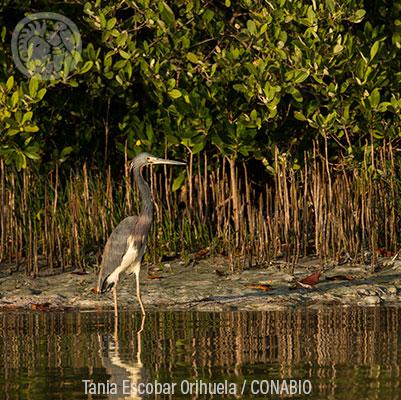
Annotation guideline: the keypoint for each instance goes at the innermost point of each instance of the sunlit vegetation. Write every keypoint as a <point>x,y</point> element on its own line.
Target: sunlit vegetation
<point>287,113</point>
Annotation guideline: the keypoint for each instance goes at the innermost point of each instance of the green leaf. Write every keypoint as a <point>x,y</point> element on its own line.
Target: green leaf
<point>329,119</point>
<point>378,135</point>
<point>383,106</point>
<point>66,69</point>
<point>12,132</point>
<point>177,183</point>
<point>20,161</point>
<point>299,116</point>
<point>33,87</point>
<point>41,94</point>
<point>27,117</point>
<point>32,153</point>
<point>121,39</point>
<point>208,16</point>
<point>338,48</point>
<point>87,66</point>
<point>120,64</point>
<point>330,5</point>
<point>167,15</point>
<point>192,57</point>
<point>124,54</point>
<point>296,94</point>
<point>111,23</point>
<point>374,49</point>
<point>128,69</point>
<point>174,94</point>
<point>374,98</point>
<point>198,147</point>
<point>31,128</point>
<point>102,19</point>
<point>311,16</point>
<point>66,151</point>
<point>251,27</point>
<point>14,99</point>
<point>300,76</point>
<point>10,83</point>
<point>358,17</point>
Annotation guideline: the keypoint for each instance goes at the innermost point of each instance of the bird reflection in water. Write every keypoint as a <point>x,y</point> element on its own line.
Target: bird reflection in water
<point>125,375</point>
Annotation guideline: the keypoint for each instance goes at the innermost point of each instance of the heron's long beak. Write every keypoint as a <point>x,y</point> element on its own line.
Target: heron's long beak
<point>168,162</point>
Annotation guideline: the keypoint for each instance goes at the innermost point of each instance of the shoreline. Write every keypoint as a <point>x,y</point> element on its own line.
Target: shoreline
<point>207,286</point>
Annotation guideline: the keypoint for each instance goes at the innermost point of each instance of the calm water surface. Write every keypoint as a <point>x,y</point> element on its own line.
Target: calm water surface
<point>346,353</point>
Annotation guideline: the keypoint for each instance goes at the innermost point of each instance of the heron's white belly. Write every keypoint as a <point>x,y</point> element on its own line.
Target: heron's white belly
<point>130,257</point>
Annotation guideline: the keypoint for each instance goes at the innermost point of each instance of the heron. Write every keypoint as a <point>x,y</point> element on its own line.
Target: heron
<point>126,245</point>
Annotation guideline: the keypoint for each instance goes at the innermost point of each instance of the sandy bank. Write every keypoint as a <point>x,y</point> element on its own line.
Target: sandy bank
<point>208,286</point>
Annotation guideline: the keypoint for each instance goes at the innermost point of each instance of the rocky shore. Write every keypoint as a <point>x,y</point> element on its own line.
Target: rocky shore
<point>208,285</point>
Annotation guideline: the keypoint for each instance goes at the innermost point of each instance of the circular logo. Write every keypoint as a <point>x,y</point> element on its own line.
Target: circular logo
<point>46,46</point>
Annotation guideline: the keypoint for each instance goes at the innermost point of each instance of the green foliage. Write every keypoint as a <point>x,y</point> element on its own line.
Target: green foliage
<point>18,140</point>
<point>230,77</point>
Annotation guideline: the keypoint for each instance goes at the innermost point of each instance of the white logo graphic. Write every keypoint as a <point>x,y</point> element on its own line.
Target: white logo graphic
<point>46,46</point>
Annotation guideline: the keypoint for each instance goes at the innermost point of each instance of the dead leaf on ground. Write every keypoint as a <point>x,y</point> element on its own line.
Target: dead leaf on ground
<point>310,280</point>
<point>340,278</point>
<point>40,307</point>
<point>262,286</point>
<point>384,252</point>
<point>201,253</point>
<point>95,290</point>
<point>154,277</point>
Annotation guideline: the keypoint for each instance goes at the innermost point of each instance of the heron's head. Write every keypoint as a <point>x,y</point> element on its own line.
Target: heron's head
<point>144,159</point>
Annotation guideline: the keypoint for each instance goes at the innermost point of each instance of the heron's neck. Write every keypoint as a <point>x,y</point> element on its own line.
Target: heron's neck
<point>146,196</point>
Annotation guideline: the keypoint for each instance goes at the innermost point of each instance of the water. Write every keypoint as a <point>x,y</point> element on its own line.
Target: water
<point>345,353</point>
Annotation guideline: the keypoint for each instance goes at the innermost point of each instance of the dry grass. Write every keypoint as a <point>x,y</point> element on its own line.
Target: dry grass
<point>327,209</point>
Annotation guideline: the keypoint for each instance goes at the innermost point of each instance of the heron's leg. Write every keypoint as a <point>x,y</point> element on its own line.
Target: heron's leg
<point>139,339</point>
<point>116,329</point>
<point>138,291</point>
<point>115,301</point>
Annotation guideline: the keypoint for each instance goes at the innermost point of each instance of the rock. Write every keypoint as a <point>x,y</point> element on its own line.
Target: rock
<point>372,300</point>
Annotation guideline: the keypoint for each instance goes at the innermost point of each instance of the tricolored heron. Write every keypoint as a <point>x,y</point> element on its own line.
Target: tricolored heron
<point>126,245</point>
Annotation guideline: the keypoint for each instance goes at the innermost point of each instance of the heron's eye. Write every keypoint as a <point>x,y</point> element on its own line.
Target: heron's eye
<point>148,159</point>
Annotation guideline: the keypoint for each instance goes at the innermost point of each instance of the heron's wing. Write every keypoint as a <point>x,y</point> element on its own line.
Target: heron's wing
<point>116,247</point>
